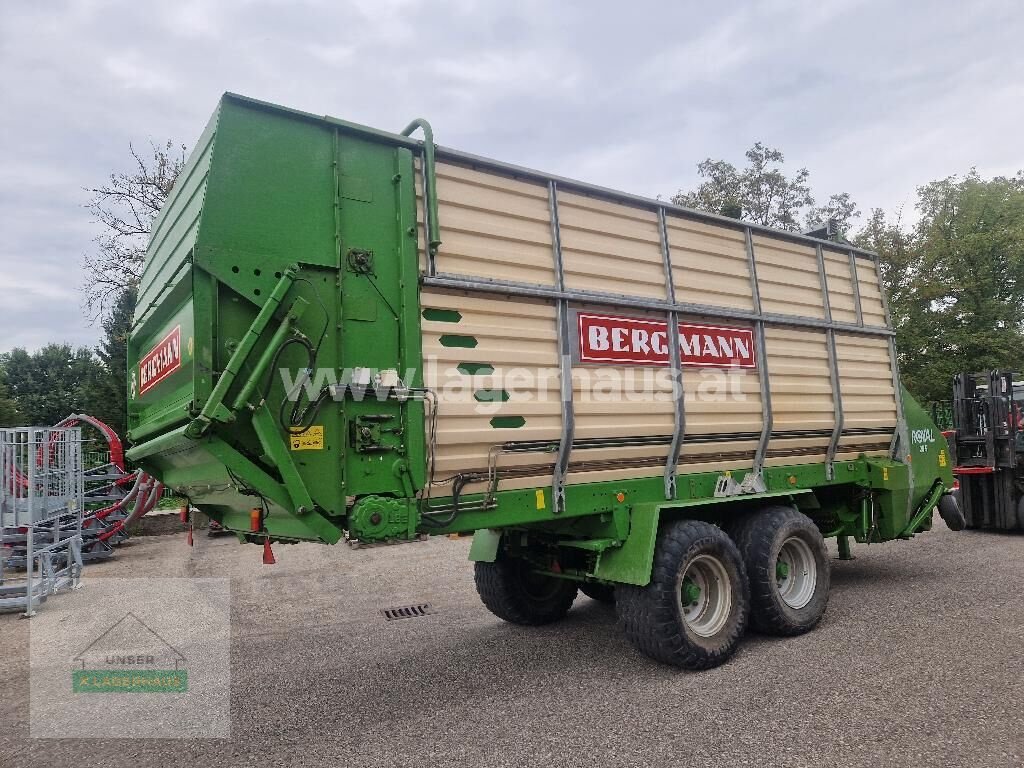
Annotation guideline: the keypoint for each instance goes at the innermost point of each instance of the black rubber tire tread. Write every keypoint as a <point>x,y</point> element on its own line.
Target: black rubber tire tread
<point>652,615</point>
<point>759,537</point>
<point>500,588</point>
<point>950,512</point>
<point>1020,515</point>
<point>602,593</point>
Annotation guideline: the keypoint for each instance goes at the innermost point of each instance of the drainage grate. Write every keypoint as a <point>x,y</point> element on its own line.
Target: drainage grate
<point>407,612</point>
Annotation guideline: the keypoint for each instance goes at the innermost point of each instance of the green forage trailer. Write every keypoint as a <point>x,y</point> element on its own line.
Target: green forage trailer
<point>344,333</point>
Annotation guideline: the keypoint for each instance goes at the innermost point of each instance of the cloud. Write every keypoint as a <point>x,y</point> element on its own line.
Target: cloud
<point>130,71</point>
<point>875,98</point>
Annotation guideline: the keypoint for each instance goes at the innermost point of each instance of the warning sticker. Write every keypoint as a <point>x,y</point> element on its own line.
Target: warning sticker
<point>310,440</point>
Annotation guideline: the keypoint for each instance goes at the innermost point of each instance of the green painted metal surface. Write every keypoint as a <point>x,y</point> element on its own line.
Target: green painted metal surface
<point>290,242</point>
<point>271,201</point>
<point>484,548</point>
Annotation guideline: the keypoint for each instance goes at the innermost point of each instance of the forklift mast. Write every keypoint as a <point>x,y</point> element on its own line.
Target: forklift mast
<point>987,446</point>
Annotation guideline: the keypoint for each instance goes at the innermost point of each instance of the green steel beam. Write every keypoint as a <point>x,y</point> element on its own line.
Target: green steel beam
<point>925,510</point>
<point>256,478</point>
<point>256,376</point>
<point>214,409</point>
<point>275,449</point>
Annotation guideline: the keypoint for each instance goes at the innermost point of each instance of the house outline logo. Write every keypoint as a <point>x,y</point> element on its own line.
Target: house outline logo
<point>129,657</point>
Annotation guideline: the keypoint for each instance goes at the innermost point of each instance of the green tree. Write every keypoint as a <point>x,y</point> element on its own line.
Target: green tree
<point>762,193</point>
<point>840,210</point>
<point>719,192</point>
<point>54,381</point>
<point>113,354</point>
<point>9,416</point>
<point>955,280</point>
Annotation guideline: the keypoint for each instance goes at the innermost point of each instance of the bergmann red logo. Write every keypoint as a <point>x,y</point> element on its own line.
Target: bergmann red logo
<point>635,341</point>
<point>161,361</point>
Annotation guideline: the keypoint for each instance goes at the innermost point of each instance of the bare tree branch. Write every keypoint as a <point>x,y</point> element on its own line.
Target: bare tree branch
<point>125,208</point>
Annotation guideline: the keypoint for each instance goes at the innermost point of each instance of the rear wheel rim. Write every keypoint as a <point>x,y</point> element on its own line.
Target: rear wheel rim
<point>705,596</point>
<point>796,573</point>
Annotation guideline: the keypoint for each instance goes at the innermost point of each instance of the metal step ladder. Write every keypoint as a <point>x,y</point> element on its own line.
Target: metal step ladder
<point>41,504</point>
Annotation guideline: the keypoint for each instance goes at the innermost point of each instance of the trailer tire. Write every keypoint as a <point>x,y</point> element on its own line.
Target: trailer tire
<point>602,593</point>
<point>511,591</point>
<point>788,567</point>
<point>1020,514</point>
<point>950,512</point>
<point>697,560</point>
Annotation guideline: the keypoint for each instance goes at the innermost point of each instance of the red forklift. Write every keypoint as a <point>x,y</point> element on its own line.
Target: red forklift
<point>987,444</point>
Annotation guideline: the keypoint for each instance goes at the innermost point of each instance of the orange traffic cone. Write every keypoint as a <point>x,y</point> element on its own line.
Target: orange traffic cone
<point>268,553</point>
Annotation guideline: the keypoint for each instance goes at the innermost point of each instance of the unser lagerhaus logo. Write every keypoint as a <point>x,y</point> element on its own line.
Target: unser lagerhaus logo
<point>130,657</point>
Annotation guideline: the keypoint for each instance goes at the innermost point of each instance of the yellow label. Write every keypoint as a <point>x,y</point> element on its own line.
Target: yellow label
<point>942,458</point>
<point>310,440</point>
<point>885,473</point>
<point>540,499</point>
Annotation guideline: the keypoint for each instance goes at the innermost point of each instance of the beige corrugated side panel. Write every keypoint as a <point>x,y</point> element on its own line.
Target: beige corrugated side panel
<point>800,379</point>
<point>622,401</point>
<point>852,446</point>
<point>709,263</point>
<point>872,308</point>
<point>787,275</point>
<point>801,384</point>
<point>497,227</point>
<point>721,400</point>
<point>611,401</point>
<point>865,374</point>
<point>840,286</point>
<point>508,335</point>
<point>716,402</point>
<point>610,247</point>
<point>491,226</point>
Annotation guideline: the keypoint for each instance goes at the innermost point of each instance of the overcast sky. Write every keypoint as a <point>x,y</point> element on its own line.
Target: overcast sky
<point>875,98</point>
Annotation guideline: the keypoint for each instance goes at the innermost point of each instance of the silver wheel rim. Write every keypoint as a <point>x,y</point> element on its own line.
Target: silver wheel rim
<point>705,596</point>
<point>796,573</point>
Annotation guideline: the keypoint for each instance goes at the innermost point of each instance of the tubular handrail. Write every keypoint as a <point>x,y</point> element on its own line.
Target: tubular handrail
<point>429,182</point>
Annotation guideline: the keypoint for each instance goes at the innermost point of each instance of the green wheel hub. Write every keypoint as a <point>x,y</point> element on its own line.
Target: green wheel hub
<point>705,595</point>
<point>691,592</point>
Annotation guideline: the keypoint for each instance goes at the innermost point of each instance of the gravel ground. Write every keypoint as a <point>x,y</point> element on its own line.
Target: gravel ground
<point>918,662</point>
